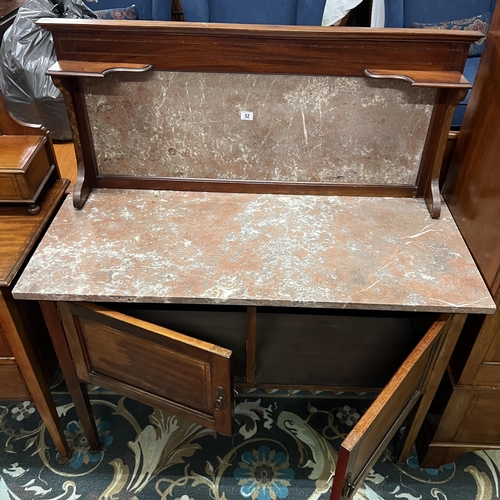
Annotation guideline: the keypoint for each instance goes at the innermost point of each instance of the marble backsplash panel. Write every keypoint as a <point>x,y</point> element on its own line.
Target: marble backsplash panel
<point>303,128</point>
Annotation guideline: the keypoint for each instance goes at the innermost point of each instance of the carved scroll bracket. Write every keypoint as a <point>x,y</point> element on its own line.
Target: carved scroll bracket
<point>452,88</point>
<point>95,69</point>
<point>65,75</point>
<point>437,79</point>
<point>82,139</point>
<point>432,158</point>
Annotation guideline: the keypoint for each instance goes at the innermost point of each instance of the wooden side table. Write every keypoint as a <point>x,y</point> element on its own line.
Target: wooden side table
<point>27,359</point>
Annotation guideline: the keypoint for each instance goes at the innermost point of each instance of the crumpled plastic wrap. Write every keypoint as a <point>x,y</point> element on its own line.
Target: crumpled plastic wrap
<point>26,53</point>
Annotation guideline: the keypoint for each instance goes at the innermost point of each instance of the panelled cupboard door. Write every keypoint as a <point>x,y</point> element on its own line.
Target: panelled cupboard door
<point>365,443</point>
<point>150,363</point>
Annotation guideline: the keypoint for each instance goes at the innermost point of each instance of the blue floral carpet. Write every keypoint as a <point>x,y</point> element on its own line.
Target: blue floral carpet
<point>283,446</point>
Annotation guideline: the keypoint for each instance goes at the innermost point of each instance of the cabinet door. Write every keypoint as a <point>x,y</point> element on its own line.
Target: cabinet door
<point>366,442</point>
<point>150,363</point>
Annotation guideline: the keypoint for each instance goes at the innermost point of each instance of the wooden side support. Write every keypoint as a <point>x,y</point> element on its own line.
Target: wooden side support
<point>452,88</point>
<point>86,162</point>
<point>435,146</point>
<point>78,390</point>
<point>65,77</point>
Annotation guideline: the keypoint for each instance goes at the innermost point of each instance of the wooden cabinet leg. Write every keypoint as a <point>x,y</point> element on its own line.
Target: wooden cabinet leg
<point>435,456</point>
<point>444,350</point>
<point>11,323</point>
<point>77,390</point>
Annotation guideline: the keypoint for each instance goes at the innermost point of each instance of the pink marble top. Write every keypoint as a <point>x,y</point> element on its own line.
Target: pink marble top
<point>256,249</point>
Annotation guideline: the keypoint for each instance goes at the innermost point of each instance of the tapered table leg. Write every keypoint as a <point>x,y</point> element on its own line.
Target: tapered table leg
<point>12,325</point>
<point>77,389</point>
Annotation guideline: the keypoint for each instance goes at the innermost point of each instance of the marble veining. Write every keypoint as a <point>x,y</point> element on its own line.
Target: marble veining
<point>255,249</point>
<point>304,128</point>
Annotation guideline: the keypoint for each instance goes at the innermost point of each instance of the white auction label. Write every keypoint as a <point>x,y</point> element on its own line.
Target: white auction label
<point>247,115</point>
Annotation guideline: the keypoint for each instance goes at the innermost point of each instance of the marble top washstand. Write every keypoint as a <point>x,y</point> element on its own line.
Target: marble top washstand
<point>256,249</point>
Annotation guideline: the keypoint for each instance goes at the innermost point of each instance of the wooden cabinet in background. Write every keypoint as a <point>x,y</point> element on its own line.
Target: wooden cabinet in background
<point>27,358</point>
<point>464,414</point>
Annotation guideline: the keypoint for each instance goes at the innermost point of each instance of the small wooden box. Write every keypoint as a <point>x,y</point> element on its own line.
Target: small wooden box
<point>25,168</point>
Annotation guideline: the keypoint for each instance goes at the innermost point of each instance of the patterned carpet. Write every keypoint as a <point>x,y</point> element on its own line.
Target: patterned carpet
<point>150,454</point>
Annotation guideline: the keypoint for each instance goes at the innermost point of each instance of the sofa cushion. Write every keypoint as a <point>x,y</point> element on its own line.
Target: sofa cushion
<point>480,23</point>
<point>255,12</point>
<point>129,13</point>
<point>432,11</point>
<point>288,12</point>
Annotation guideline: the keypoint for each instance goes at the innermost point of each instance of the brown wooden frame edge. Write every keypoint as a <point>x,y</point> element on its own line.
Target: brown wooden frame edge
<point>248,186</point>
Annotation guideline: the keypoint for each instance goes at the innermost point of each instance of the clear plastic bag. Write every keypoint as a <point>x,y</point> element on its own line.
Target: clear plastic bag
<point>26,53</point>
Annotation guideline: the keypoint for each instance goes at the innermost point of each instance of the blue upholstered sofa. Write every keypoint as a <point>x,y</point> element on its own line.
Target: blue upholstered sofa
<point>403,13</point>
<point>291,12</point>
<point>155,10</point>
